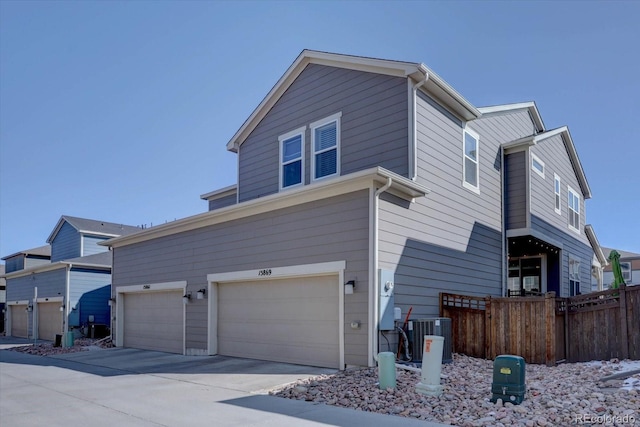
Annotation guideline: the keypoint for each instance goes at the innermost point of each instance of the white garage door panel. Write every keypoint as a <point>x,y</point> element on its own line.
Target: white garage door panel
<point>154,321</point>
<point>19,321</point>
<point>287,320</point>
<point>49,320</point>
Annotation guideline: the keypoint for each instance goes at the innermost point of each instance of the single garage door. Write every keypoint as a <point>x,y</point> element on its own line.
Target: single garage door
<point>285,320</point>
<point>154,321</point>
<point>19,321</point>
<point>49,320</point>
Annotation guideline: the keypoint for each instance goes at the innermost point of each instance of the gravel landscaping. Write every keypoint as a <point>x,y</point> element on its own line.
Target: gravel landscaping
<point>47,348</point>
<point>567,394</point>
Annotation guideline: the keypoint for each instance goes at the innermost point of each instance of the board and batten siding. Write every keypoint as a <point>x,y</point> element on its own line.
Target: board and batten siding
<point>515,165</point>
<point>326,230</point>
<point>89,293</point>
<point>373,125</point>
<point>49,283</point>
<point>66,244</point>
<point>556,160</point>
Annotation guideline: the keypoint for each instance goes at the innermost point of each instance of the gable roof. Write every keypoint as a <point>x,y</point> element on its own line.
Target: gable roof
<point>434,85</point>
<point>571,151</point>
<point>39,251</point>
<point>595,245</point>
<point>623,254</point>
<point>90,226</point>
<point>509,108</point>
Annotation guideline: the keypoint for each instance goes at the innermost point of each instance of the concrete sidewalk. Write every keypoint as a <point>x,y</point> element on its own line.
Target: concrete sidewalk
<point>143,388</point>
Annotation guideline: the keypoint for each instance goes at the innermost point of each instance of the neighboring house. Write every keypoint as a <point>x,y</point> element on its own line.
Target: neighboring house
<point>3,297</point>
<point>630,265</point>
<point>363,184</point>
<point>64,285</point>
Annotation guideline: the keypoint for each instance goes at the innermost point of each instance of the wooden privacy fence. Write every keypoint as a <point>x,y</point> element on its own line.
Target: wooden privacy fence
<point>546,329</point>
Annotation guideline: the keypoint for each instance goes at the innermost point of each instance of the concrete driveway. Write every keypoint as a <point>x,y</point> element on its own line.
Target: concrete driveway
<point>131,387</point>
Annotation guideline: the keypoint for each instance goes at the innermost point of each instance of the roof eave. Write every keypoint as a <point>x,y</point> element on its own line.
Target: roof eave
<point>505,108</point>
<point>595,244</point>
<point>221,192</point>
<point>401,186</point>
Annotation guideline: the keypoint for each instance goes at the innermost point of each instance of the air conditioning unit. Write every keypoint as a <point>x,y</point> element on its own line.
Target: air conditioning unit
<point>440,326</point>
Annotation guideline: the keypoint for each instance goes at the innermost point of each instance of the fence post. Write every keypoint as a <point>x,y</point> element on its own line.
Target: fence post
<point>624,345</point>
<point>488,339</point>
<point>567,345</point>
<point>550,327</point>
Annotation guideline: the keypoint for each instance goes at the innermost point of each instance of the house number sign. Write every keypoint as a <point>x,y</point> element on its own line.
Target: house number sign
<point>265,272</point>
<point>146,286</point>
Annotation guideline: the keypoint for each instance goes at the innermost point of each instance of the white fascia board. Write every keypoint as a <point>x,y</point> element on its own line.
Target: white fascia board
<point>573,156</point>
<point>507,108</point>
<point>518,144</point>
<point>36,269</point>
<point>56,229</point>
<point>331,187</point>
<point>222,192</point>
<point>437,86</point>
<point>595,244</point>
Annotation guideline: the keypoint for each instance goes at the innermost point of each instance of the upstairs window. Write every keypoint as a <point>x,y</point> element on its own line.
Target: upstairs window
<point>574,210</point>
<point>556,188</point>
<point>537,165</point>
<point>325,142</point>
<point>470,165</point>
<point>291,158</point>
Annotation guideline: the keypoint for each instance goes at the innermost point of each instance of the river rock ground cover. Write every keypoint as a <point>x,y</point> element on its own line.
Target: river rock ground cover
<point>562,395</point>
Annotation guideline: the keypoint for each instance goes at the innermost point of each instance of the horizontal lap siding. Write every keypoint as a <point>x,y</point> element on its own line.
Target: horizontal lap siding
<point>322,231</point>
<point>223,202</point>
<point>49,283</point>
<point>449,240</point>
<point>553,153</point>
<point>66,243</point>
<point>89,295</point>
<point>14,264</point>
<point>374,120</point>
<point>90,245</point>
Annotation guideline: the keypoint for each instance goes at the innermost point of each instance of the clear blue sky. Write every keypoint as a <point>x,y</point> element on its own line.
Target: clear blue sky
<point>121,111</point>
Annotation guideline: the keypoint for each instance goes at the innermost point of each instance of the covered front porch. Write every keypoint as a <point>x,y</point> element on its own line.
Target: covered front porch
<point>533,266</point>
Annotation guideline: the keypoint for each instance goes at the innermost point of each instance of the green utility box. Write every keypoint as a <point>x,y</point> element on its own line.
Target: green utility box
<point>508,379</point>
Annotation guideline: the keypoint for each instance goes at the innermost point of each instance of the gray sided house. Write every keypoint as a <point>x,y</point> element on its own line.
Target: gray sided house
<point>62,286</point>
<point>363,185</point>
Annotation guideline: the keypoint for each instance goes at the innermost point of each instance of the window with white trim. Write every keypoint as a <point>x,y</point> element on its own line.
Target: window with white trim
<point>537,165</point>
<point>626,272</point>
<point>574,209</point>
<point>325,145</point>
<point>292,158</point>
<point>470,160</point>
<point>574,276</point>
<point>556,189</point>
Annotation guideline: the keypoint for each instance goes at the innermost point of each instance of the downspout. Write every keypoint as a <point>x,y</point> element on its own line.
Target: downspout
<point>67,301</point>
<point>413,145</point>
<point>374,296</point>
<point>503,225</point>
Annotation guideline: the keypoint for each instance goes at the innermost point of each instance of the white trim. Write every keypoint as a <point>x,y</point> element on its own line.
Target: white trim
<point>465,184</point>
<point>49,299</point>
<point>151,287</point>
<point>275,273</point>
<point>508,108</point>
<point>221,192</point>
<point>361,180</point>
<point>281,139</point>
<point>558,208</point>
<point>19,302</point>
<point>536,159</point>
<point>570,210</point>
<point>313,126</point>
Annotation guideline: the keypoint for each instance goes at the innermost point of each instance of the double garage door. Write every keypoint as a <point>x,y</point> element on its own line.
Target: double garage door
<point>154,321</point>
<point>286,320</point>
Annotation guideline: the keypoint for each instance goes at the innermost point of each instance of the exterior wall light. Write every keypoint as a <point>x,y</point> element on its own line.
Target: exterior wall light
<point>186,297</point>
<point>349,286</point>
<point>62,307</point>
<point>111,302</point>
<point>201,293</point>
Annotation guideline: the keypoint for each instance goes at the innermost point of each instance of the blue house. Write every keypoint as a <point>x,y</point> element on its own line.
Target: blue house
<point>64,285</point>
